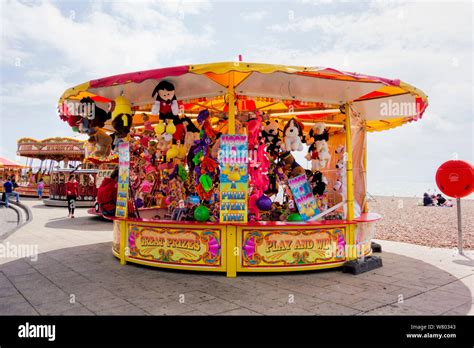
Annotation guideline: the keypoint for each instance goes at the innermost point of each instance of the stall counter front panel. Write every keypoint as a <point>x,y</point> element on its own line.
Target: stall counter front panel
<point>251,247</point>
<point>284,248</point>
<point>185,246</point>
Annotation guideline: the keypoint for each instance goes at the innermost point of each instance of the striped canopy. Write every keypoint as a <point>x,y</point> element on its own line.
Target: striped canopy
<point>6,163</point>
<point>380,103</point>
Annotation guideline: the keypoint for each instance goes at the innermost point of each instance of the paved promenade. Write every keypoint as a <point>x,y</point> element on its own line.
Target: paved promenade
<point>8,220</point>
<point>75,273</point>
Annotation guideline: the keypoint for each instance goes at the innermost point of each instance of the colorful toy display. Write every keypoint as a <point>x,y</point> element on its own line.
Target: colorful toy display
<point>240,168</point>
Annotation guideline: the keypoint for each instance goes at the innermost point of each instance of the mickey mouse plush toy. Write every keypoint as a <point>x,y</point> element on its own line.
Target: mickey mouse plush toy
<point>166,105</point>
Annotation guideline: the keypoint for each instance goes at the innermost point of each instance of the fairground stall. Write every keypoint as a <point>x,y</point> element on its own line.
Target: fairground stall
<point>52,154</point>
<point>9,169</point>
<point>240,167</point>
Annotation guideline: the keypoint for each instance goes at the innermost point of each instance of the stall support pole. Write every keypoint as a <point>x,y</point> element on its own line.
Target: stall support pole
<point>458,206</point>
<point>231,101</point>
<point>231,232</point>
<point>232,252</point>
<point>123,241</point>
<point>350,184</point>
<point>365,208</point>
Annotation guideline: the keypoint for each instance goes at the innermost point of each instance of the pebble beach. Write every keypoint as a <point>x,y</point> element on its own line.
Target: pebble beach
<point>404,221</point>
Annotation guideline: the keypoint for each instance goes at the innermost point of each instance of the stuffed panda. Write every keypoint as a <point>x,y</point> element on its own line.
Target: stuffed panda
<point>317,133</point>
<point>319,183</point>
<point>271,134</point>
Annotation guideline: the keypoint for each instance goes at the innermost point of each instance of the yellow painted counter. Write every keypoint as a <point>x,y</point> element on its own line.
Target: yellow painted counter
<point>252,247</point>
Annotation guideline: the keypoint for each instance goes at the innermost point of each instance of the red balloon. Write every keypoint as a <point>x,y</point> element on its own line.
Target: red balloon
<point>455,178</point>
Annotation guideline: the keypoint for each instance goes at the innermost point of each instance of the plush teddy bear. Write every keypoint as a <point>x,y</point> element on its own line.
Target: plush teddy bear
<point>271,134</point>
<point>293,136</point>
<point>102,141</point>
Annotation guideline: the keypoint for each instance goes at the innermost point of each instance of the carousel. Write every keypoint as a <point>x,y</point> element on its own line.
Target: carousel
<point>240,167</point>
<point>50,152</point>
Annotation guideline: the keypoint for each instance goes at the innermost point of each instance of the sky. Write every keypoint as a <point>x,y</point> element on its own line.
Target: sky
<point>49,46</point>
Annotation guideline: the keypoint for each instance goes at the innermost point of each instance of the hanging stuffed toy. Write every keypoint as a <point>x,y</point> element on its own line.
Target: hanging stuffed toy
<point>271,135</point>
<point>92,114</point>
<point>121,119</point>
<point>192,132</point>
<point>205,123</point>
<point>152,149</point>
<point>102,142</point>
<point>289,167</point>
<point>319,183</point>
<point>254,127</point>
<point>324,156</point>
<point>317,133</point>
<point>166,104</point>
<point>160,127</point>
<point>170,130</point>
<point>318,151</point>
<point>72,120</point>
<point>293,136</point>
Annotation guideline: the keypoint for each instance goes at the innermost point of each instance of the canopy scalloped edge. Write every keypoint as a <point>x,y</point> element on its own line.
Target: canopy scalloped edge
<point>243,67</point>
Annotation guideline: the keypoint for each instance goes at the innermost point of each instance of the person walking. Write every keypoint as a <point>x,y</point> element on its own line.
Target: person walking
<point>8,188</point>
<point>72,188</point>
<point>40,188</point>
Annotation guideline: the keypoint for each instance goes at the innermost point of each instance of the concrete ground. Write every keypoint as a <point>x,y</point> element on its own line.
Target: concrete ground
<point>8,220</point>
<point>76,274</point>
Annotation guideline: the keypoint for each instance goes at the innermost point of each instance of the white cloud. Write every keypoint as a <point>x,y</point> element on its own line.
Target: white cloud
<point>124,37</point>
<point>420,43</point>
<point>45,92</point>
<point>253,16</point>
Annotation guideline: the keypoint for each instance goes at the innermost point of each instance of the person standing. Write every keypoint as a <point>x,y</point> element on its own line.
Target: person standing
<point>72,188</point>
<point>8,188</point>
<point>40,188</point>
<point>107,194</point>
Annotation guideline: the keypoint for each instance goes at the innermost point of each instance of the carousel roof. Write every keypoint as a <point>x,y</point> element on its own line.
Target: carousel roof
<point>57,148</point>
<point>277,89</point>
